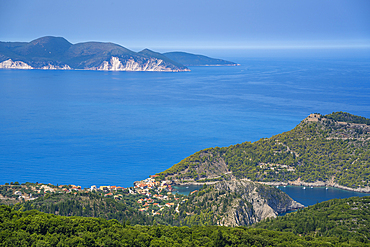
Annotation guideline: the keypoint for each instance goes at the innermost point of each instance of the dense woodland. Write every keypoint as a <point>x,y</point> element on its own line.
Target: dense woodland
<point>326,150</point>
<point>33,228</point>
<point>347,117</point>
<point>346,219</point>
<point>88,205</point>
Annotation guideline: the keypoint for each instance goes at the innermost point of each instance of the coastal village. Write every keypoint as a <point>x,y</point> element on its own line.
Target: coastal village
<point>151,195</point>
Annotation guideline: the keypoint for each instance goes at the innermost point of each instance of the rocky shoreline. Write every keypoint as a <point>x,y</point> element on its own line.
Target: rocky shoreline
<point>317,184</point>
<point>297,182</point>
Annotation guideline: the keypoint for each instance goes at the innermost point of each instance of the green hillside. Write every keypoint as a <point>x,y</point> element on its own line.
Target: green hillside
<point>346,219</point>
<point>320,148</point>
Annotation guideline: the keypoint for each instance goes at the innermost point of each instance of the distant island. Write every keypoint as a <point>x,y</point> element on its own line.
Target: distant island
<point>58,53</point>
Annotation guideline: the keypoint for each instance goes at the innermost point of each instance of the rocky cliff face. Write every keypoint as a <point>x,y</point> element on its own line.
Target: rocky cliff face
<point>114,64</point>
<point>55,67</point>
<point>10,64</point>
<point>257,202</point>
<point>238,203</point>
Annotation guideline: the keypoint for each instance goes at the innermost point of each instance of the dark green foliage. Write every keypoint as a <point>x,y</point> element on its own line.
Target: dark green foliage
<point>346,219</point>
<point>33,228</point>
<point>347,117</point>
<point>87,205</point>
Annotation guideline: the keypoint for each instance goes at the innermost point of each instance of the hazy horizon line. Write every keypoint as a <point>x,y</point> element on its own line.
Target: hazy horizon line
<point>253,45</point>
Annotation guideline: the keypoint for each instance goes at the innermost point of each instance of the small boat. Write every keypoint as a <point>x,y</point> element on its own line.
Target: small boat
<point>304,188</point>
<point>187,187</point>
<point>284,186</point>
<point>277,186</point>
<point>311,187</point>
<point>326,188</point>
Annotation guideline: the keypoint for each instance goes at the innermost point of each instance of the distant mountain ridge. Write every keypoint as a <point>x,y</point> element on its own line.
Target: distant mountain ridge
<point>58,53</point>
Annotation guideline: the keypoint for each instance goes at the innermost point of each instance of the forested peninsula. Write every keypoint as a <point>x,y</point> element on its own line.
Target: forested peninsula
<point>232,206</point>
<point>323,150</point>
<point>343,218</point>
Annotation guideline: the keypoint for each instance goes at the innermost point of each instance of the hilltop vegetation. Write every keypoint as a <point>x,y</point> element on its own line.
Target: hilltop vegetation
<point>345,219</point>
<point>33,228</point>
<point>349,118</point>
<point>88,205</point>
<point>320,148</point>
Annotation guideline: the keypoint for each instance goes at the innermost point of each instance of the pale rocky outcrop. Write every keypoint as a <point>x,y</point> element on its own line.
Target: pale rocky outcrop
<point>242,202</point>
<point>10,64</point>
<point>257,202</point>
<point>152,64</point>
<point>53,67</point>
<point>114,64</point>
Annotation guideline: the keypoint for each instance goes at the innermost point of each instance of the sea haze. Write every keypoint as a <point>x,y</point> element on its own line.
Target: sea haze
<point>113,128</point>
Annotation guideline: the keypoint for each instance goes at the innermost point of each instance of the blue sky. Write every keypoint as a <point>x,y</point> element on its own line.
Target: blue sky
<point>165,24</point>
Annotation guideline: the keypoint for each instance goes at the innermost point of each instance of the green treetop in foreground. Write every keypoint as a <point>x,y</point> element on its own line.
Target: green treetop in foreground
<point>33,228</point>
<point>346,219</point>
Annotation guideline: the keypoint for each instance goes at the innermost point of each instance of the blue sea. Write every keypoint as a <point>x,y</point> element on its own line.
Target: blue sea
<point>113,128</point>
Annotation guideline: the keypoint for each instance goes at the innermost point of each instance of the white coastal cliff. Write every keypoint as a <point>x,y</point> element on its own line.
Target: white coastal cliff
<point>10,64</point>
<point>53,67</point>
<point>151,64</point>
<point>115,64</point>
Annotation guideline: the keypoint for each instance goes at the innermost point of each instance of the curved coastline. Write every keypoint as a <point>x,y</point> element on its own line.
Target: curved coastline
<point>317,184</point>
<point>298,182</point>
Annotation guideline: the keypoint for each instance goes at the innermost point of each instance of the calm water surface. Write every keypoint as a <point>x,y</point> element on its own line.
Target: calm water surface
<point>310,196</point>
<point>113,128</point>
<point>185,189</point>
